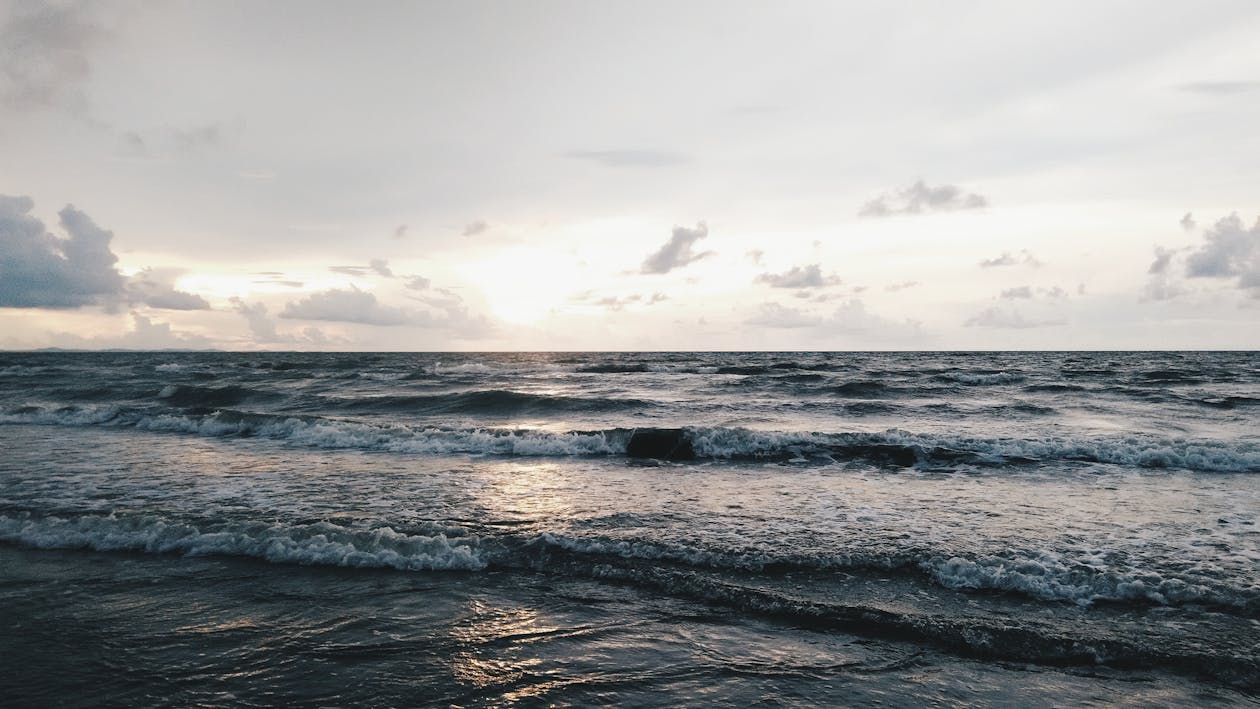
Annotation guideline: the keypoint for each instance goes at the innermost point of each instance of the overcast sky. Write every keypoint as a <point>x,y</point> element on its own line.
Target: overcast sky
<point>634,175</point>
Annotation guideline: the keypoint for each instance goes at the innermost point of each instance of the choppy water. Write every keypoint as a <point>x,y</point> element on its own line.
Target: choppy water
<point>826,528</point>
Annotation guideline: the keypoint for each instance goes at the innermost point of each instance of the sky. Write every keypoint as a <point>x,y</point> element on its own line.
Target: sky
<point>638,175</point>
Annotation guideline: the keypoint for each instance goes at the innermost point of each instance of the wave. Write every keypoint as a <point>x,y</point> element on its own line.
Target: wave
<point>713,577</point>
<point>1036,574</point>
<point>487,401</point>
<point>200,396</point>
<point>866,390</point>
<point>612,368</point>
<point>980,378</point>
<point>321,543</point>
<point>892,447</point>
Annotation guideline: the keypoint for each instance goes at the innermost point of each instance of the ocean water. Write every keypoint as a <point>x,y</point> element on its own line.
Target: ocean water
<point>699,529</point>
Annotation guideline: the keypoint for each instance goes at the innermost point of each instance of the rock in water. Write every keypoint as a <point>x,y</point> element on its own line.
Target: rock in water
<point>660,443</point>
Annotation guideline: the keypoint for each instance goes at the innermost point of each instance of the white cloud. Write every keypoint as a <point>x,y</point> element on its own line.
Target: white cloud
<point>144,335</point>
<point>353,306</point>
<point>1010,318</point>
<point>155,287</point>
<point>1007,259</point>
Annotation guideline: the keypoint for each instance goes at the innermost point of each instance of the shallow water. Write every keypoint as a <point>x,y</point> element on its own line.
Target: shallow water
<point>471,529</point>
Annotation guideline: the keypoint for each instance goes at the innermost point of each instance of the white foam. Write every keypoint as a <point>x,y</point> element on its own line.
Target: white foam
<point>1050,577</point>
<point>169,367</point>
<point>321,543</point>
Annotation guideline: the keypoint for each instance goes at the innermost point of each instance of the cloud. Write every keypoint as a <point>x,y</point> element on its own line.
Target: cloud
<point>852,317</point>
<point>894,287</point>
<point>919,198</point>
<point>1014,293</point>
<point>261,326</point>
<point>620,302</point>
<point>418,283</point>
<point>1006,259</point>
<point>40,270</point>
<point>144,335</point>
<point>400,231</point>
<point>1160,285</point>
<point>45,51</point>
<point>1007,318</point>
<point>264,330</point>
<point>1231,250</point>
<point>1163,257</point>
<point>352,306</point>
<point>810,276</point>
<point>169,140</point>
<point>379,266</point>
<point>475,228</point>
<point>778,316</point>
<point>628,158</point>
<point>755,256</point>
<point>1187,222</point>
<point>677,252</point>
<point>156,289</point>
<point>1221,87</point>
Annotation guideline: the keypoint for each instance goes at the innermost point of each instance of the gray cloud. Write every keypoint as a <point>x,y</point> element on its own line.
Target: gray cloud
<point>475,228</point>
<point>1187,222</point>
<point>1006,318</point>
<point>1221,87</point>
<point>400,231</point>
<point>1007,259</point>
<point>45,51</point>
<point>755,256</point>
<point>418,283</point>
<point>677,252</point>
<point>1163,257</point>
<point>156,289</point>
<point>381,267</point>
<point>40,270</point>
<point>919,198</point>
<point>810,276</point>
<point>352,306</point>
<point>1016,293</point>
<point>1231,250</point>
<point>628,158</point>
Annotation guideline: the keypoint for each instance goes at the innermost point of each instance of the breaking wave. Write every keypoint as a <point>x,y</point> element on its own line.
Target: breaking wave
<point>892,447</point>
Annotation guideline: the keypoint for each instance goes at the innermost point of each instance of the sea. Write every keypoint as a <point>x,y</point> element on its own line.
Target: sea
<point>630,529</point>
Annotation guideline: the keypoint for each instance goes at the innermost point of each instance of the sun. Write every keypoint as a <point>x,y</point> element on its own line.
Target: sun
<point>523,286</point>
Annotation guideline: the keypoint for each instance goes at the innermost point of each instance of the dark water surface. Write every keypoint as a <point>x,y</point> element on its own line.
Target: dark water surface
<point>827,528</point>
